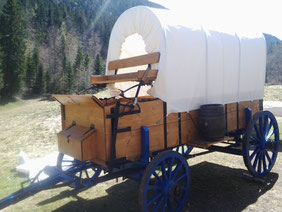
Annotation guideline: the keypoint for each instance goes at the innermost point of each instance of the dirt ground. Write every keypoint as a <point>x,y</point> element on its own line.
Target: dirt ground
<point>217,182</point>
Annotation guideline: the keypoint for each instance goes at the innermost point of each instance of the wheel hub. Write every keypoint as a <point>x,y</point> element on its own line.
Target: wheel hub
<point>167,187</point>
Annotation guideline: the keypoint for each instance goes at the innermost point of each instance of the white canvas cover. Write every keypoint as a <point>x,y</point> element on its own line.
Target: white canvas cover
<point>197,65</point>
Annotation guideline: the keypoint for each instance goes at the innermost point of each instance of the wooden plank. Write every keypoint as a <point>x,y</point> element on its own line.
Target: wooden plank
<point>136,76</point>
<point>74,99</point>
<point>135,61</point>
<point>231,117</point>
<point>253,105</point>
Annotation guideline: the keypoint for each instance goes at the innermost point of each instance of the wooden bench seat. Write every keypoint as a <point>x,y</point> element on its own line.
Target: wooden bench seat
<point>146,75</point>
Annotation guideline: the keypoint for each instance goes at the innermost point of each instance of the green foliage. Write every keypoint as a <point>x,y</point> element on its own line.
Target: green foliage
<point>48,83</point>
<point>35,79</point>
<point>52,20</point>
<point>99,68</point>
<point>13,47</point>
<point>40,83</point>
<point>29,74</point>
<point>70,78</point>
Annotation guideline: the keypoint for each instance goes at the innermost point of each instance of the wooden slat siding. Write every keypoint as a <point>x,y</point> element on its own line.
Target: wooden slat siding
<point>135,76</point>
<point>231,117</point>
<point>254,105</point>
<point>135,61</point>
<point>232,114</point>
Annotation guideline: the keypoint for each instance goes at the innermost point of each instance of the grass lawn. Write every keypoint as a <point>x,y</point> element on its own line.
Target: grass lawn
<point>273,93</point>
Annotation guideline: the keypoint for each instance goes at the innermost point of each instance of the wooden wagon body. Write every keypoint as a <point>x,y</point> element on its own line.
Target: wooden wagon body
<point>108,130</point>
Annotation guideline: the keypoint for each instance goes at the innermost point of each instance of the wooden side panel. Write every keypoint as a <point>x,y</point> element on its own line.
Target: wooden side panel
<point>231,117</point>
<point>232,114</point>
<point>135,61</point>
<point>254,105</point>
<point>151,115</point>
<point>128,144</point>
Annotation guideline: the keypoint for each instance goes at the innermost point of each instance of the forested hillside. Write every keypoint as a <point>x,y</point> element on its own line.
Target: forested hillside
<point>53,46</point>
<point>65,41</point>
<point>274,60</point>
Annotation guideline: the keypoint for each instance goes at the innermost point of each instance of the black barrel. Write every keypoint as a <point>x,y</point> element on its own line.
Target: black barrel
<point>212,121</point>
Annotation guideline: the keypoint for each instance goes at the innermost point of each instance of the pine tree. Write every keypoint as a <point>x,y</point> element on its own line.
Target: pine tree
<point>86,73</point>
<point>48,83</point>
<point>70,79</point>
<point>36,65</point>
<point>99,68</point>
<point>40,83</point>
<point>1,74</point>
<point>78,66</point>
<point>13,47</point>
<point>29,74</point>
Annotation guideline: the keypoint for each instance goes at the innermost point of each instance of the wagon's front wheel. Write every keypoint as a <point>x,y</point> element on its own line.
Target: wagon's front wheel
<point>261,143</point>
<point>165,183</point>
<point>82,169</point>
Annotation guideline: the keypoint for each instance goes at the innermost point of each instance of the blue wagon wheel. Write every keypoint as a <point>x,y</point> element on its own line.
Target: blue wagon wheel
<point>70,165</point>
<point>184,149</point>
<point>261,143</point>
<point>165,183</point>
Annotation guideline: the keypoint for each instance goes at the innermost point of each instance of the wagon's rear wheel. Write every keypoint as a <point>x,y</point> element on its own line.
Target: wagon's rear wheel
<point>81,169</point>
<point>165,183</point>
<point>261,143</point>
<point>184,149</point>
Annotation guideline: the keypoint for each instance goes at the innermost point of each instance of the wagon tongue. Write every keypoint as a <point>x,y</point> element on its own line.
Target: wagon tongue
<point>56,179</point>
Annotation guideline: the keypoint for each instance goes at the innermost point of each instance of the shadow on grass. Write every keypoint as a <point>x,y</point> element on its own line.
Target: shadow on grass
<point>213,187</point>
<point>6,101</point>
<point>45,97</point>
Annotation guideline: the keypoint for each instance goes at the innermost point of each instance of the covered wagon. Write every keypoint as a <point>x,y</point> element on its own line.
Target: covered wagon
<point>174,85</point>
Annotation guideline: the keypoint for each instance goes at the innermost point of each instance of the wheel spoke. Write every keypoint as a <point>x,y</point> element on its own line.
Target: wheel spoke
<point>158,205</point>
<point>265,123</point>
<point>169,205</point>
<point>163,205</point>
<point>263,162</point>
<point>183,150</point>
<point>260,126</point>
<point>170,164</point>
<point>157,177</point>
<point>268,158</point>
<point>254,153</point>
<point>164,174</point>
<point>269,135</point>
<point>179,178</point>
<point>252,138</point>
<point>257,131</point>
<point>256,160</point>
<point>176,170</point>
<point>269,127</point>
<point>259,162</point>
<point>176,200</point>
<point>86,173</point>
<point>252,147</point>
<point>154,199</point>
